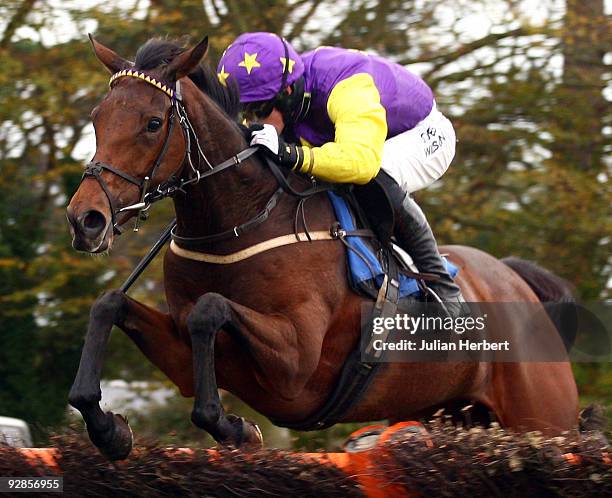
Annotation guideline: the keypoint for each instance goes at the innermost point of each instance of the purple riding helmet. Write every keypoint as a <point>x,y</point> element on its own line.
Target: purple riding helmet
<point>262,65</point>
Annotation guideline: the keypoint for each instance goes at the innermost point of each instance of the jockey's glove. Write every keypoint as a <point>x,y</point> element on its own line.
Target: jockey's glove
<point>288,155</point>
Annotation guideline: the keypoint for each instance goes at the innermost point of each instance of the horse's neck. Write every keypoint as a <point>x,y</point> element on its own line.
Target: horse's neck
<point>225,200</point>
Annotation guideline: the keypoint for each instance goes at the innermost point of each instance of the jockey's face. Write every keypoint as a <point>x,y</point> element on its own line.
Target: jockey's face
<point>255,112</point>
<point>275,119</point>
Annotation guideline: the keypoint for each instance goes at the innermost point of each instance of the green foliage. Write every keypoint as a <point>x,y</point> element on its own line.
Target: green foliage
<point>529,178</point>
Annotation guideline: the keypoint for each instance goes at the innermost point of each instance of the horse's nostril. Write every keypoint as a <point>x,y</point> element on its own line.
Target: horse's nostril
<point>93,223</point>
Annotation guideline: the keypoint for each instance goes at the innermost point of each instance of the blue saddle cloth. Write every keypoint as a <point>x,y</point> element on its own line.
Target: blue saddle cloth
<point>358,268</point>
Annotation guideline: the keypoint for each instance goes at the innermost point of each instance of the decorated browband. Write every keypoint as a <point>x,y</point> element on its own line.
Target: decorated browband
<point>145,77</point>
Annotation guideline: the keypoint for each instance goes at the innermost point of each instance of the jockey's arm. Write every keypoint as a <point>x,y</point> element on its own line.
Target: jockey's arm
<point>360,133</point>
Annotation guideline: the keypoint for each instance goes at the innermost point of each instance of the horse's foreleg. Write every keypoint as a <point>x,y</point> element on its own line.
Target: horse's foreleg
<point>152,331</point>
<point>109,432</point>
<point>271,343</point>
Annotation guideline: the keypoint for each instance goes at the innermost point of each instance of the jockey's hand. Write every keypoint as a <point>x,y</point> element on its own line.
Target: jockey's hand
<point>266,137</point>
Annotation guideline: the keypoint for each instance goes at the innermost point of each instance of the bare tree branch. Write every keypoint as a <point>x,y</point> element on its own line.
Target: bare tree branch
<point>441,60</point>
<point>300,24</point>
<point>16,21</point>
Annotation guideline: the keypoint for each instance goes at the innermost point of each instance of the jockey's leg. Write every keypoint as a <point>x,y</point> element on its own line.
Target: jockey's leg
<point>414,234</point>
<point>418,157</point>
<point>411,161</point>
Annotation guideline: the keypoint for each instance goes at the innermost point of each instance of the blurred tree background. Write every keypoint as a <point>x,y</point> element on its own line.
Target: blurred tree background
<point>527,85</point>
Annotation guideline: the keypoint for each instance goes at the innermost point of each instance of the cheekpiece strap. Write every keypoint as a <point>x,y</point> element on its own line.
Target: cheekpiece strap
<point>144,77</point>
<point>178,95</point>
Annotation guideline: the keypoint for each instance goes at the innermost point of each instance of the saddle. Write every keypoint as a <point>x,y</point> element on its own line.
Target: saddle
<point>366,215</point>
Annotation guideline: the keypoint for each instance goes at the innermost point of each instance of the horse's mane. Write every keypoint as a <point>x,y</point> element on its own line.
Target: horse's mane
<point>157,52</point>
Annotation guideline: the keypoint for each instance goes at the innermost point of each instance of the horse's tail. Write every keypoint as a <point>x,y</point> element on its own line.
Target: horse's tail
<point>556,293</point>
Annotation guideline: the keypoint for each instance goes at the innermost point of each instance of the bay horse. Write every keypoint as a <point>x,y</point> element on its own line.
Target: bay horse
<point>274,329</point>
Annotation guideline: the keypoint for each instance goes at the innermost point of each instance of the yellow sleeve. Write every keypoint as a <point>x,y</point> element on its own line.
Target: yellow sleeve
<point>360,123</point>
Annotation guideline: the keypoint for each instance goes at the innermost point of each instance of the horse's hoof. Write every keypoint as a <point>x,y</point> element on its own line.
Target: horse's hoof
<point>250,435</point>
<point>119,443</point>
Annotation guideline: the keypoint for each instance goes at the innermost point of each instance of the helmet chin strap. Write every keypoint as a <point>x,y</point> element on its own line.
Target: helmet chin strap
<point>294,107</point>
<point>299,101</point>
<point>286,68</point>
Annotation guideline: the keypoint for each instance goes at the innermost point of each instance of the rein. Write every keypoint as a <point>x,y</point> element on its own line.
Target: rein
<point>198,242</point>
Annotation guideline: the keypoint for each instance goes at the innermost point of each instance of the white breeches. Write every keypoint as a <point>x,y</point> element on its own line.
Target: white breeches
<point>418,157</point>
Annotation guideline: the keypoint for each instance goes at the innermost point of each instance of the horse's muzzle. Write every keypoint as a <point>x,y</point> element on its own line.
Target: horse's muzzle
<point>90,230</point>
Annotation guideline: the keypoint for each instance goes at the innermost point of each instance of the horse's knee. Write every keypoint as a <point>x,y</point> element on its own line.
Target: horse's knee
<point>209,314</point>
<point>109,305</point>
<point>82,400</point>
<point>206,416</point>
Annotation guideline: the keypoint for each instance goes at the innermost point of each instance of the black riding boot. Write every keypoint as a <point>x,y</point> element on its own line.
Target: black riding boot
<point>414,235</point>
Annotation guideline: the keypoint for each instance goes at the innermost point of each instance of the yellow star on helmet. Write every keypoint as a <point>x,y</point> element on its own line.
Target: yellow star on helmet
<point>249,62</point>
<point>288,66</point>
<point>223,76</point>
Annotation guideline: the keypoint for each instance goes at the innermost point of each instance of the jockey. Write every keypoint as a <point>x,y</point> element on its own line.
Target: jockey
<point>356,117</point>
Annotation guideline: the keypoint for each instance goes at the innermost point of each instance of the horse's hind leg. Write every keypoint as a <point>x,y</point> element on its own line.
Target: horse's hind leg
<point>153,332</point>
<point>543,396</point>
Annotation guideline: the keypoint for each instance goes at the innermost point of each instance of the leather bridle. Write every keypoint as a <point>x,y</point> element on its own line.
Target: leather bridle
<point>94,169</point>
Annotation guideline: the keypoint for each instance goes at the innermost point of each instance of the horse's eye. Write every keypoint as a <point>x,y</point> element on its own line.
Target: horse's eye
<point>154,124</point>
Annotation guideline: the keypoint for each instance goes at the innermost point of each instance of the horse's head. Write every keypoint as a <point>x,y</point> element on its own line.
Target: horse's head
<point>139,144</point>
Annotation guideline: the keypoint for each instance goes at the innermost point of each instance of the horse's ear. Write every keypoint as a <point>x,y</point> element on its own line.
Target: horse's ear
<point>185,63</point>
<point>110,59</point>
